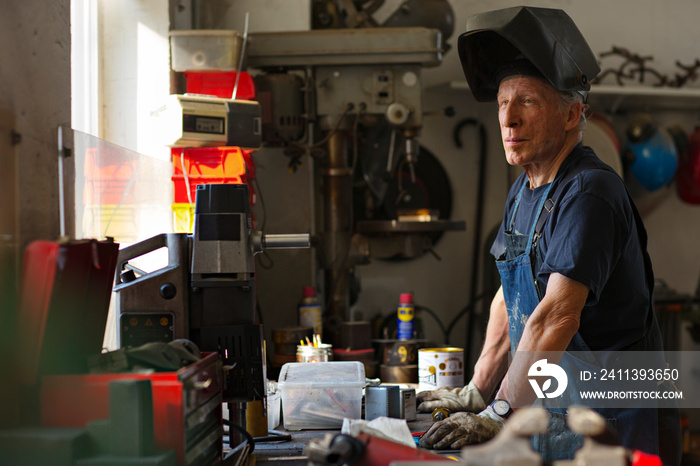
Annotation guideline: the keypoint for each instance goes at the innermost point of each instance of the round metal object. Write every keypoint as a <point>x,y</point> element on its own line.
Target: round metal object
<point>398,352</point>
<point>440,367</point>
<point>440,414</point>
<point>397,113</point>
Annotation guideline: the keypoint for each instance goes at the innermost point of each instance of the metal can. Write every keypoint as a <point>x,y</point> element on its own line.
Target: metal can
<point>440,367</point>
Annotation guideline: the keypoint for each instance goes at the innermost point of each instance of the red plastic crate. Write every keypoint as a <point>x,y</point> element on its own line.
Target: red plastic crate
<point>220,84</point>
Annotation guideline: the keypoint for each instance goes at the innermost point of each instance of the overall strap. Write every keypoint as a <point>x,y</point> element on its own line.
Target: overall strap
<point>551,201</point>
<point>516,206</point>
<point>558,184</point>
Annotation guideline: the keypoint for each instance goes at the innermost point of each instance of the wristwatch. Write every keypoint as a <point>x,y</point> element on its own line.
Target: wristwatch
<point>502,408</point>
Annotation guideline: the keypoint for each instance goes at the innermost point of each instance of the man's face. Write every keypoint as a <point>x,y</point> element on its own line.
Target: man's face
<point>533,127</point>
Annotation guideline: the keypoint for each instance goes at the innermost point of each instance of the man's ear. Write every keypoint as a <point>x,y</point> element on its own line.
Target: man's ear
<point>574,116</point>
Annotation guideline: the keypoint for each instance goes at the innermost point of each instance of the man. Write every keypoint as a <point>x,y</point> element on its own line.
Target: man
<point>571,250</point>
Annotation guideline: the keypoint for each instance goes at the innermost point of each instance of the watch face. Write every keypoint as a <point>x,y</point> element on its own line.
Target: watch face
<point>501,407</point>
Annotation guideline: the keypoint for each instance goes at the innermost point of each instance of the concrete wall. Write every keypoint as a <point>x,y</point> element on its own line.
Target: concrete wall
<point>35,92</point>
<point>35,89</point>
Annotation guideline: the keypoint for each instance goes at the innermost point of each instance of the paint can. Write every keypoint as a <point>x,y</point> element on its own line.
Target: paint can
<point>440,367</point>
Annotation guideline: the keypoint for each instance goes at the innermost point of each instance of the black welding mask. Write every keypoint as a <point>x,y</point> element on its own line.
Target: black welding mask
<point>544,42</point>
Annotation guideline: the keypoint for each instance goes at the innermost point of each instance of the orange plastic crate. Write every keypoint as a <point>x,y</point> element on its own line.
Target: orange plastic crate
<point>107,179</point>
<point>217,162</point>
<point>206,165</point>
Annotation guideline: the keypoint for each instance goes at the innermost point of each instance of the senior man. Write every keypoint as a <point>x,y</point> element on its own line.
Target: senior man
<point>571,250</point>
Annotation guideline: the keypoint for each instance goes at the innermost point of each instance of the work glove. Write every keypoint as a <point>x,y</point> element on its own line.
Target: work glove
<point>462,429</point>
<point>454,399</point>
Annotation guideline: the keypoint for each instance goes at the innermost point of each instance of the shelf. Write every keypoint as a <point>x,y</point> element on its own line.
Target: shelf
<point>623,98</point>
<point>613,98</point>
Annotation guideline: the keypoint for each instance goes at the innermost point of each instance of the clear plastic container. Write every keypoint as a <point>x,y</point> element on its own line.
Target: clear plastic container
<point>273,410</point>
<point>205,49</point>
<point>321,395</point>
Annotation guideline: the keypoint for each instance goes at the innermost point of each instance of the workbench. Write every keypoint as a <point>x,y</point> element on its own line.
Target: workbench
<point>292,452</point>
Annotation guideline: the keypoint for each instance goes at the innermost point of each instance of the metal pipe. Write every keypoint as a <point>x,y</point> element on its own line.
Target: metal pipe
<point>337,223</point>
<point>286,241</point>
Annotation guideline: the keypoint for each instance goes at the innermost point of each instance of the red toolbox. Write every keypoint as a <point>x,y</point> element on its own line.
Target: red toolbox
<point>186,406</point>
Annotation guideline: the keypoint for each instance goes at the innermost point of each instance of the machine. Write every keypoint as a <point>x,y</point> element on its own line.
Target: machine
<point>318,89</point>
<point>193,121</point>
<point>206,293</point>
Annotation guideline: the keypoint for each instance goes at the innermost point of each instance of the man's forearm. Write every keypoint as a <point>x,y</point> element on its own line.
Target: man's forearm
<point>493,360</point>
<point>549,329</point>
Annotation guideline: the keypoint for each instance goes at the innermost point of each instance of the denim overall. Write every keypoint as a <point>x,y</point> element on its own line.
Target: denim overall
<point>636,427</point>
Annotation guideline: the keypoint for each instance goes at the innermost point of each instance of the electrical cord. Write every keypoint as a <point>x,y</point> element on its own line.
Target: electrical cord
<point>295,150</point>
<point>249,438</point>
<point>427,310</point>
<point>481,191</point>
<point>419,308</point>
<point>263,210</point>
<point>468,308</point>
<point>273,436</point>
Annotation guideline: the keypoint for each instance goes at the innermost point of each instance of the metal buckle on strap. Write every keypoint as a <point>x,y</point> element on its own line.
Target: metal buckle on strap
<point>549,204</point>
<point>535,237</point>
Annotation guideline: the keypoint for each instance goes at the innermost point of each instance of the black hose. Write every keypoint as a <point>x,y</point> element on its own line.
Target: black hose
<point>249,438</point>
<point>274,436</point>
<point>418,307</point>
<point>477,224</point>
<point>469,307</point>
<point>437,319</point>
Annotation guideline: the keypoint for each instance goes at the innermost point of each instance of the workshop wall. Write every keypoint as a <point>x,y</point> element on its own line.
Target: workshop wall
<point>34,100</point>
<point>664,29</point>
<point>35,90</point>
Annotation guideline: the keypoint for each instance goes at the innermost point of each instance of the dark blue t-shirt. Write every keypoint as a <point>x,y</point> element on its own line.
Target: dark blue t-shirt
<point>590,237</point>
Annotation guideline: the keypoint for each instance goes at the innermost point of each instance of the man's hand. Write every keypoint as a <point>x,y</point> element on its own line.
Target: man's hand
<point>462,429</point>
<point>455,399</point>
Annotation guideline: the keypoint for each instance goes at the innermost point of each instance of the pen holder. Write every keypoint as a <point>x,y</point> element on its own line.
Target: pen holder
<point>310,353</point>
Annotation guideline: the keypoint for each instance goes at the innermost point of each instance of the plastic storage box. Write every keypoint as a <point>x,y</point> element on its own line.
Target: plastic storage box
<point>205,49</point>
<point>320,395</point>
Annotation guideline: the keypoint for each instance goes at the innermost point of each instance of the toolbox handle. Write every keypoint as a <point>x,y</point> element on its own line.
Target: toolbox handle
<point>172,241</point>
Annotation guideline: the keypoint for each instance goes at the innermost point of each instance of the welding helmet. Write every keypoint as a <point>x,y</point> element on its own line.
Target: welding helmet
<point>544,39</point>
<point>651,153</point>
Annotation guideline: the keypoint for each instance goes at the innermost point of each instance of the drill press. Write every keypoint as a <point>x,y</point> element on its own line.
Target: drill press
<point>206,293</point>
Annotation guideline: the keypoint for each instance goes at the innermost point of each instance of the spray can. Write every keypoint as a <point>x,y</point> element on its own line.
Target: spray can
<point>405,317</point>
<point>310,314</point>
